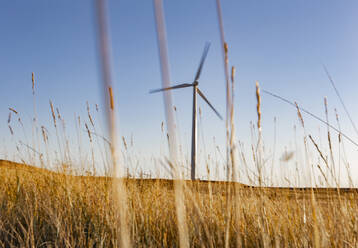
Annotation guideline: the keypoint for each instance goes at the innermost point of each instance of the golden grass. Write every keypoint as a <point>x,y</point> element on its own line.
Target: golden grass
<point>44,208</point>
<point>39,208</point>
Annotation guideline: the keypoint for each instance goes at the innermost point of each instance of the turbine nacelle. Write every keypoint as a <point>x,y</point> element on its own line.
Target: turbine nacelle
<point>195,83</point>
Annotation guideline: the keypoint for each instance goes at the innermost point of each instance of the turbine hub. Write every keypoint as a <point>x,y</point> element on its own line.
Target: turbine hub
<point>196,83</point>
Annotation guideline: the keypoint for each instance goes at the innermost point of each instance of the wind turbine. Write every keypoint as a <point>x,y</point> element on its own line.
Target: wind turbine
<point>196,90</point>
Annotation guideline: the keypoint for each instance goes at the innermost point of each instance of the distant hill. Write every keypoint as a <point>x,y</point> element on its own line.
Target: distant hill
<point>10,165</point>
<point>201,185</point>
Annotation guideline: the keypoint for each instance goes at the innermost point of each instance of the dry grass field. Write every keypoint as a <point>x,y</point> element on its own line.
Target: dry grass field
<point>39,208</point>
<point>72,207</point>
<point>80,184</point>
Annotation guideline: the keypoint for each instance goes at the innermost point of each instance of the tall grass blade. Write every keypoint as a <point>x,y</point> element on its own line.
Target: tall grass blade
<point>170,121</point>
<point>340,98</point>
<point>119,190</point>
<point>312,115</point>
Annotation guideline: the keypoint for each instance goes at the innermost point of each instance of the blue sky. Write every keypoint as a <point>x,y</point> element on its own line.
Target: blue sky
<point>280,43</point>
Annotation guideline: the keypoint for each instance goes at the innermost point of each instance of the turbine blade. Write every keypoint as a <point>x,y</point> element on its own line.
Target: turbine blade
<point>203,57</point>
<point>207,101</point>
<point>172,88</point>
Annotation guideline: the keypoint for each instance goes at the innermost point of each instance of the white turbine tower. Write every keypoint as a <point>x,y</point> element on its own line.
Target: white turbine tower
<point>194,124</point>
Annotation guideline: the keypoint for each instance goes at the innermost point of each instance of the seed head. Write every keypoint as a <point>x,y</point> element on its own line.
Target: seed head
<point>258,98</point>
<point>300,115</point>
<point>111,102</point>
<point>33,84</point>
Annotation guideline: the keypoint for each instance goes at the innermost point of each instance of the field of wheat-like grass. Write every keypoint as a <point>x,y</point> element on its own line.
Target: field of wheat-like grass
<point>39,208</point>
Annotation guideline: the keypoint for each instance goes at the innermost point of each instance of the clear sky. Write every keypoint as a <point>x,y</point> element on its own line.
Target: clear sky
<point>280,43</point>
